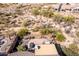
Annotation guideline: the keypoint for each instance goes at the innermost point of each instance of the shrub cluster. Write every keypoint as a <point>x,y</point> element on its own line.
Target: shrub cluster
<point>56,16</point>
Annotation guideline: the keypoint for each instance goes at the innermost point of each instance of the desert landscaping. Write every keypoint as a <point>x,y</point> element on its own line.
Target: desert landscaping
<point>32,29</point>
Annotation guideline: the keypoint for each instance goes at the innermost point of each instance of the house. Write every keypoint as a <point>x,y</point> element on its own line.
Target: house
<point>46,49</point>
<point>75,10</point>
<point>42,47</point>
<point>38,47</point>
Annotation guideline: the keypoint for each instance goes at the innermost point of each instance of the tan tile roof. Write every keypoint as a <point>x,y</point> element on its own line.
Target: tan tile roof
<point>46,50</point>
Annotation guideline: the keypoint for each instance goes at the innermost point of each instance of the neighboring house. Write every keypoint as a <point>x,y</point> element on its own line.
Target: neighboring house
<point>75,10</point>
<point>66,7</point>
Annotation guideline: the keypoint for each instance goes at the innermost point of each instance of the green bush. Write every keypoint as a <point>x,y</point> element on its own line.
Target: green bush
<point>21,48</point>
<point>46,31</point>
<point>69,19</point>
<point>60,37</point>
<point>22,32</point>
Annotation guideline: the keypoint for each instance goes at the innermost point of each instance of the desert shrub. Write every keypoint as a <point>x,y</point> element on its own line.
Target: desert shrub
<point>22,32</point>
<point>71,51</point>
<point>74,47</point>
<point>46,12</point>
<point>59,37</point>
<point>46,31</point>
<point>69,19</point>
<point>21,48</point>
<point>57,17</point>
<point>36,11</point>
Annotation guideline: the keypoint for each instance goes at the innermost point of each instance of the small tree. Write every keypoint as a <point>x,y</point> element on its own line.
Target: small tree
<point>22,32</point>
